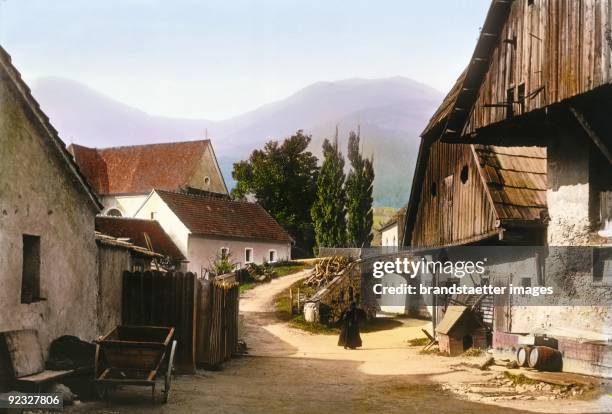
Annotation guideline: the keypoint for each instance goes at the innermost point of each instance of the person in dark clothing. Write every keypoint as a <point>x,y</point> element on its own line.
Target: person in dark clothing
<point>349,332</point>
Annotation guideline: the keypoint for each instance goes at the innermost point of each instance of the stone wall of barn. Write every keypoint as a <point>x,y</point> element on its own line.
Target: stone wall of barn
<point>568,191</point>
<point>40,197</point>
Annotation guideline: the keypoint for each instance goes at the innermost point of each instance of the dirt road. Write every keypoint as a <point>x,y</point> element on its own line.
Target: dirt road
<point>290,371</point>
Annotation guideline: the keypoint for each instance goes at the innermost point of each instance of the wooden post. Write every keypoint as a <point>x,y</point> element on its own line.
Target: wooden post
<point>291,301</point>
<point>298,300</point>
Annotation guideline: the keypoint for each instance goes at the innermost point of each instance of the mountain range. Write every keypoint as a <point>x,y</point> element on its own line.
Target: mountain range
<point>390,113</point>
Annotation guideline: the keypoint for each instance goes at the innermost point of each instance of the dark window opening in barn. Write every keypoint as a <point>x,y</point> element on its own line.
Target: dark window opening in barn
<point>530,2</point>
<point>30,275</point>
<point>468,342</point>
<point>509,103</point>
<point>434,189</point>
<point>464,174</point>
<point>521,98</point>
<point>113,212</point>
<point>602,265</point>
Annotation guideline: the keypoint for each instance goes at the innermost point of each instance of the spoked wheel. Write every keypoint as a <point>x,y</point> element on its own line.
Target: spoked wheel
<point>168,378</point>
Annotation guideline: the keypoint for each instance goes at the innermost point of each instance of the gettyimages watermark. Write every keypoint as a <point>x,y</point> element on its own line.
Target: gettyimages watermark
<point>526,275</point>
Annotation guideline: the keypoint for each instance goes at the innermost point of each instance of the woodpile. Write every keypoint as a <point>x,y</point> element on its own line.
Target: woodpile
<point>326,269</point>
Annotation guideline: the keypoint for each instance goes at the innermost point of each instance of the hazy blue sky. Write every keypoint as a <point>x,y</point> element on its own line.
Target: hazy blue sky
<point>215,59</point>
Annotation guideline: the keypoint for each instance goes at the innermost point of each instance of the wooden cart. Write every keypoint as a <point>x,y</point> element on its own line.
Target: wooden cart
<point>135,355</point>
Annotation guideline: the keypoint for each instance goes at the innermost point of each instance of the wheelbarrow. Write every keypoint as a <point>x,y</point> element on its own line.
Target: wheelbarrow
<point>135,355</point>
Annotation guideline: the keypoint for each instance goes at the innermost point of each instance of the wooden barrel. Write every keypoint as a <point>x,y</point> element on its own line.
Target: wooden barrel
<point>544,358</point>
<point>522,356</point>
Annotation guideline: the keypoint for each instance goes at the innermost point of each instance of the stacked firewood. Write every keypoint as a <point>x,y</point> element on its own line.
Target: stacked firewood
<point>326,269</point>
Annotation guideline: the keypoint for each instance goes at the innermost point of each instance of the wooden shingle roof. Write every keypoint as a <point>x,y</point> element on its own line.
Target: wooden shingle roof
<point>516,180</point>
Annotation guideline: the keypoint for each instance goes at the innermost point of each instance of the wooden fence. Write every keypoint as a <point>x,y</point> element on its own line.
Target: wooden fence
<point>218,317</point>
<point>164,299</point>
<point>204,313</point>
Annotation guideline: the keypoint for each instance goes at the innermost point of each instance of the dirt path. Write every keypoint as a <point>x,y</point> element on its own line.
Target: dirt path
<point>290,371</point>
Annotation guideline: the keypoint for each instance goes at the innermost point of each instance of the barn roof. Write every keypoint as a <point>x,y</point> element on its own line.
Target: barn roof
<point>441,114</point>
<point>217,217</point>
<point>135,229</point>
<point>140,168</point>
<point>9,73</point>
<point>516,179</point>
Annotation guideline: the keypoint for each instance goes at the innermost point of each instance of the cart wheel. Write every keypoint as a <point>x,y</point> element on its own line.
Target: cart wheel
<point>168,378</point>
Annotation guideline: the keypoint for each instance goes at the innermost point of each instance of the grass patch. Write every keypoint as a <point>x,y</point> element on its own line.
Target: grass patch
<point>299,322</point>
<point>288,269</point>
<point>284,311</point>
<point>418,341</point>
<point>473,352</point>
<point>247,286</point>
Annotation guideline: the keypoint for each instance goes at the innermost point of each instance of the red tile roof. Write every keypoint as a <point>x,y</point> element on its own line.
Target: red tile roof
<point>210,216</point>
<point>139,168</point>
<point>134,229</point>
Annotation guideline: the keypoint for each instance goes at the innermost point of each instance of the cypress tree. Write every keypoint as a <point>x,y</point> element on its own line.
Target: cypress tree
<point>359,185</point>
<point>328,210</point>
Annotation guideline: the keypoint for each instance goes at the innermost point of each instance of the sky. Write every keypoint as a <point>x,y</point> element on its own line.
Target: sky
<point>217,59</point>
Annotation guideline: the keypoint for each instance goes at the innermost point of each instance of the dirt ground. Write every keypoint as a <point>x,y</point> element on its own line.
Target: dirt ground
<point>291,371</point>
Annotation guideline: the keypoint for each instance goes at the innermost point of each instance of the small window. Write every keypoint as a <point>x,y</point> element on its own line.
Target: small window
<point>394,241</point>
<point>224,252</point>
<point>464,174</point>
<point>207,180</point>
<point>272,256</point>
<point>30,275</point>
<point>530,2</point>
<point>248,255</point>
<point>153,215</point>
<point>434,189</point>
<point>113,212</point>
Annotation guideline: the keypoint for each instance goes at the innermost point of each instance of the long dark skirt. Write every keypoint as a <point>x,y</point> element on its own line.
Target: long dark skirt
<point>349,334</point>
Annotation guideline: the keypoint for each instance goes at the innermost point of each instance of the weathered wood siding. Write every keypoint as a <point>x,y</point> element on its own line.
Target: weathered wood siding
<point>458,212</point>
<point>562,49</point>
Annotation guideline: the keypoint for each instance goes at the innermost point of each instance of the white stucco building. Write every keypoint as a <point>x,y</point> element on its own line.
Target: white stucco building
<point>205,226</point>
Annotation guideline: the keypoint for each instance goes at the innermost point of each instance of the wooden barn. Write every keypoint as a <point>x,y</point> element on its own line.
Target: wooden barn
<point>520,153</point>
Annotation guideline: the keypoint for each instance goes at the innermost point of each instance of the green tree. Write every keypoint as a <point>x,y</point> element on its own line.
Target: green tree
<point>328,211</point>
<point>359,185</point>
<point>283,179</point>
